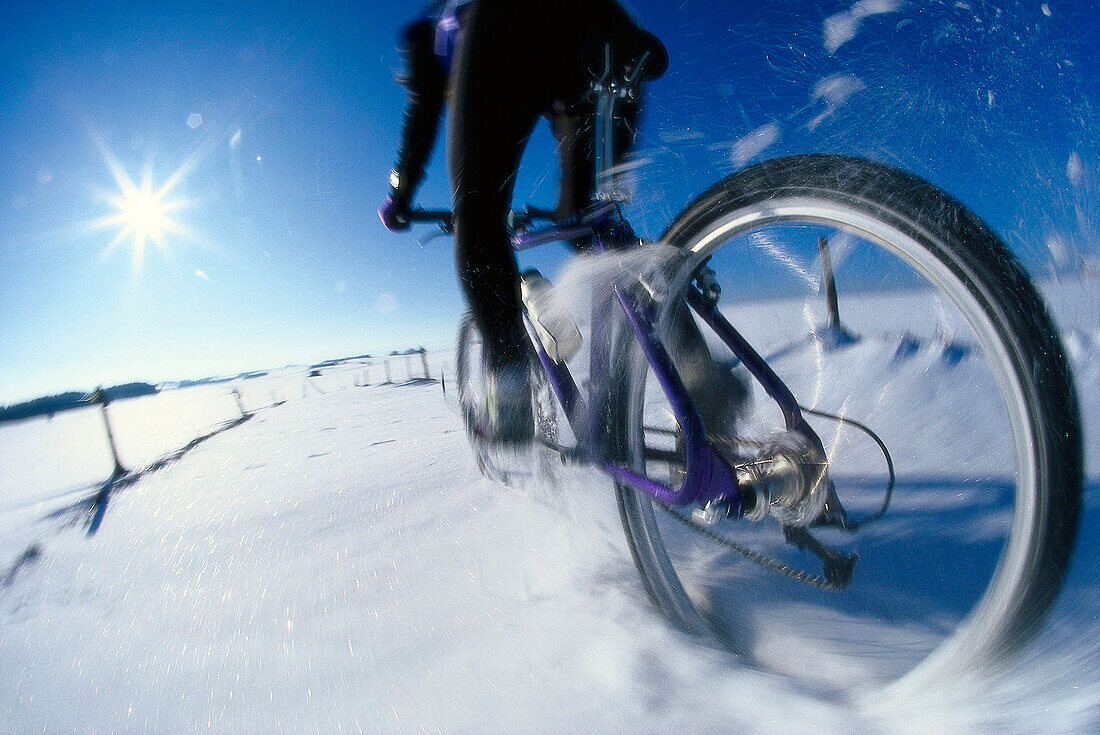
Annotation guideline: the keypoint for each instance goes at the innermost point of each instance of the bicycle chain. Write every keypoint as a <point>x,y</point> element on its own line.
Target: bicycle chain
<point>769,563</point>
<point>813,580</point>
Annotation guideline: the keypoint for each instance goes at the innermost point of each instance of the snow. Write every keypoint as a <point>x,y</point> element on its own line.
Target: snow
<point>843,27</point>
<point>336,563</point>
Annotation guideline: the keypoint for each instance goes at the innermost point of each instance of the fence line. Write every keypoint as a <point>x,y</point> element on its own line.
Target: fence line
<point>143,433</point>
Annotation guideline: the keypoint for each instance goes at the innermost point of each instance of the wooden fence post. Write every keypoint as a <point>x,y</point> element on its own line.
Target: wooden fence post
<point>100,397</point>
<point>830,282</point>
<point>424,359</point>
<point>240,402</point>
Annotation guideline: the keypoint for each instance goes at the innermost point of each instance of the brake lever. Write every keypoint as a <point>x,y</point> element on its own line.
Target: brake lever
<point>435,236</point>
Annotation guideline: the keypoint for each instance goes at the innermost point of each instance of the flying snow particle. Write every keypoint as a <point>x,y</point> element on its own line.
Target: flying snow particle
<point>841,28</point>
<point>680,135</point>
<point>755,143</point>
<point>834,90</point>
<point>867,8</point>
<point>1075,169</point>
<point>1059,250</point>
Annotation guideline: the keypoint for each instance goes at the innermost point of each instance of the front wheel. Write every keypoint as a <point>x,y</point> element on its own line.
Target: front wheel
<point>936,381</point>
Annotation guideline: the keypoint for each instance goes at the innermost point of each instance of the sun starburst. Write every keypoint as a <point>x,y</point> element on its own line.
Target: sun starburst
<point>141,212</point>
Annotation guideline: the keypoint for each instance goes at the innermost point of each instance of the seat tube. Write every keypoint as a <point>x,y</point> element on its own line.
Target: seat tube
<point>605,142</point>
<point>600,372</point>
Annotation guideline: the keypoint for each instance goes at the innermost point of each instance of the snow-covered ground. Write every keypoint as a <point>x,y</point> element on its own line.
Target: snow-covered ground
<point>336,563</point>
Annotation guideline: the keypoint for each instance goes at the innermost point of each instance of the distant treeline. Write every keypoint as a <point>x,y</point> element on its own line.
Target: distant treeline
<point>49,405</point>
<point>215,381</point>
<point>339,361</point>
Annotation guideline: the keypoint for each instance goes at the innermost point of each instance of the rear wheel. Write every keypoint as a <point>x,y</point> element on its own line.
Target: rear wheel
<point>937,362</point>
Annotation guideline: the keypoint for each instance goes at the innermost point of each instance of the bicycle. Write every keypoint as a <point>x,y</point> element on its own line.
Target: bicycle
<point>829,518</point>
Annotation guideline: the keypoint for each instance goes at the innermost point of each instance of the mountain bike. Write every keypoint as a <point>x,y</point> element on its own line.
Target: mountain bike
<point>892,492</point>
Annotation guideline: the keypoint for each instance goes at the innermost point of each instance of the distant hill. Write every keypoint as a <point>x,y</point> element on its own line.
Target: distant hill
<point>49,405</point>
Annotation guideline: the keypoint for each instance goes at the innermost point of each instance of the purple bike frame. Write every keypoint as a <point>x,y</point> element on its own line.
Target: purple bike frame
<point>707,475</point>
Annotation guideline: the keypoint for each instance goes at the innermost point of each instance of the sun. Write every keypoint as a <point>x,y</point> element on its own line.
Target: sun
<point>142,213</point>
<point>145,214</point>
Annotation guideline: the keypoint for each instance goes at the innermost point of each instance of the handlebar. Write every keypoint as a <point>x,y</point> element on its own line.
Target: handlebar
<point>441,217</point>
<point>517,220</point>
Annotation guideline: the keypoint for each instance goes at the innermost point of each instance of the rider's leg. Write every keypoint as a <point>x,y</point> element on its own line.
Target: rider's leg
<point>492,115</point>
<point>487,129</point>
<point>514,59</point>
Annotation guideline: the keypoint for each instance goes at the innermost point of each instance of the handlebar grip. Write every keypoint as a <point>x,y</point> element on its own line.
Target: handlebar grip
<point>441,217</point>
<point>430,215</point>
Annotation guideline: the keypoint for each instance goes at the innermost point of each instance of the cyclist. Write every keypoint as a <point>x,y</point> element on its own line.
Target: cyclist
<point>505,63</point>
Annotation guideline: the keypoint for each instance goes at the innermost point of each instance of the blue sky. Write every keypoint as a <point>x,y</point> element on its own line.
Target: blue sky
<point>274,125</point>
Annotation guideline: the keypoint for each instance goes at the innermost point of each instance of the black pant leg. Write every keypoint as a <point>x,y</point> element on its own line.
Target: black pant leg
<point>493,111</point>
